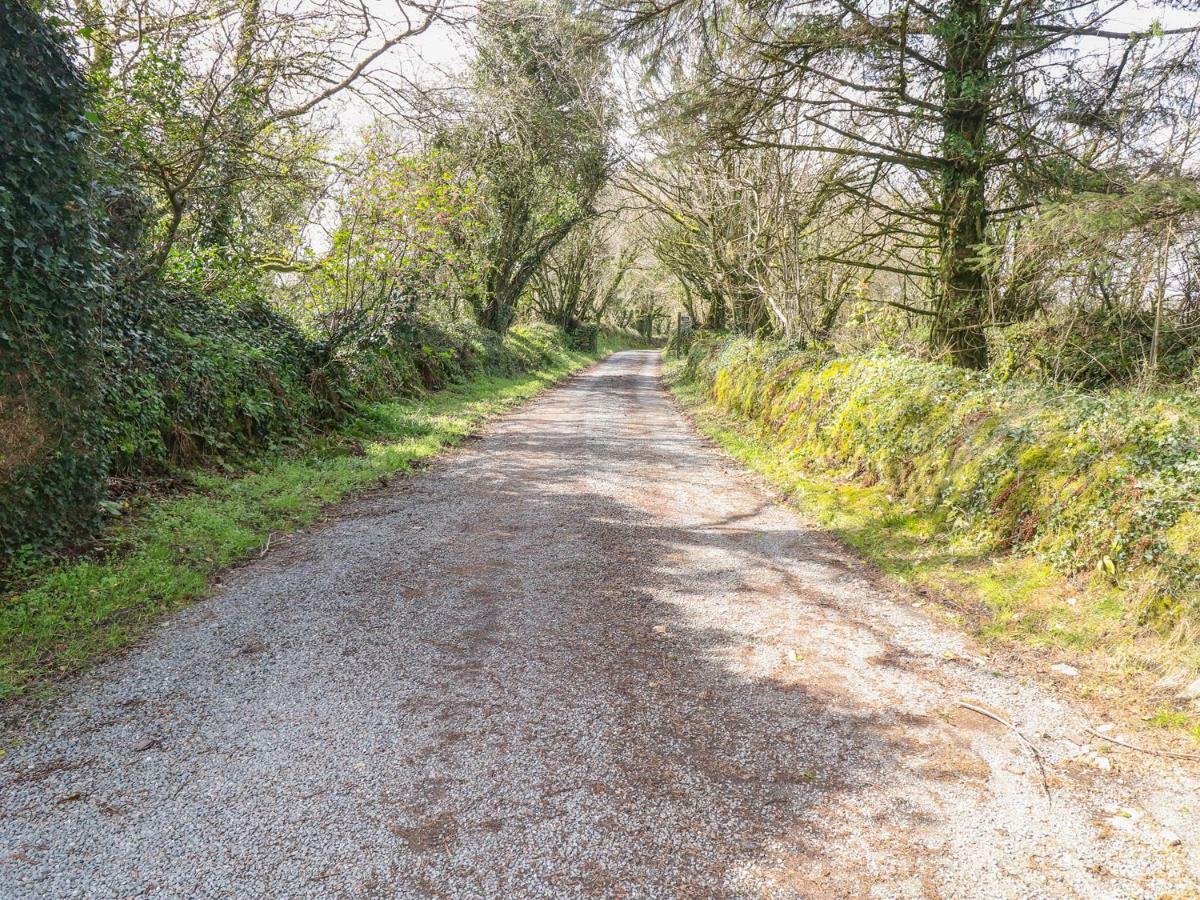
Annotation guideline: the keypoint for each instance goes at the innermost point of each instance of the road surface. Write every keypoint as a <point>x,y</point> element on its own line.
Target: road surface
<point>580,656</point>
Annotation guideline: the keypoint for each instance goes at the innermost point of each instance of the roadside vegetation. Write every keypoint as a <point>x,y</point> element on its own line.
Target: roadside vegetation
<point>1062,522</point>
<point>199,264</point>
<point>163,550</point>
<point>937,264</point>
<point>933,269</point>
<point>249,269</point>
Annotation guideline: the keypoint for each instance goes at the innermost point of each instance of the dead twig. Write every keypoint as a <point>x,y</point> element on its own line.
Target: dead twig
<point>267,545</point>
<point>1024,740</point>
<point>1112,740</point>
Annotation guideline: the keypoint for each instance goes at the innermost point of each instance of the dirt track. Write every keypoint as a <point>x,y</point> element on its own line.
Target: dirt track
<point>579,657</point>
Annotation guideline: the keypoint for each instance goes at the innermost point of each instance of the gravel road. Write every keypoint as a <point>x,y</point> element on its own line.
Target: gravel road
<point>580,656</point>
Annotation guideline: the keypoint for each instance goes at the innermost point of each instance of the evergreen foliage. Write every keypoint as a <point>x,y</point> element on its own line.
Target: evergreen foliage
<point>55,284</point>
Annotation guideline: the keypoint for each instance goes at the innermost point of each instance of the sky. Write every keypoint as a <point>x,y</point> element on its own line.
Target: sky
<point>437,55</point>
<point>441,52</point>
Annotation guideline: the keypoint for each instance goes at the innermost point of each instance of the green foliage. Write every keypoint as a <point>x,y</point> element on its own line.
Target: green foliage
<point>420,354</point>
<point>184,115</point>
<point>1099,349</point>
<point>537,145</point>
<point>611,340</point>
<point>192,377</point>
<point>585,337</point>
<point>102,371</point>
<point>199,325</point>
<point>679,344</point>
<point>407,228</point>
<point>1092,218</point>
<point>53,279</point>
<point>1089,483</point>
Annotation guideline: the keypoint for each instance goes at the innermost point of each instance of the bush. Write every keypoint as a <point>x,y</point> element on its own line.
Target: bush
<point>105,370</point>
<point>101,376</point>
<point>53,279</point>
<point>1103,482</point>
<point>1098,349</point>
<point>585,337</point>
<point>417,353</point>
<point>680,342</point>
<point>192,377</point>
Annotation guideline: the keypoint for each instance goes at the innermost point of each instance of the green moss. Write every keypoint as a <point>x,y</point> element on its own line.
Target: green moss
<point>1169,718</point>
<point>1177,721</point>
<point>1060,521</point>
<point>1184,536</point>
<point>1083,482</point>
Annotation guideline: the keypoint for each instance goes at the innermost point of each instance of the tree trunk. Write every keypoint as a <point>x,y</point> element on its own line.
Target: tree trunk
<point>961,306</point>
<point>715,321</point>
<point>233,161</point>
<point>496,311</point>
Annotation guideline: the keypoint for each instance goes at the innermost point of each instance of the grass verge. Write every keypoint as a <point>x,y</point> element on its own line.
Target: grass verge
<point>66,614</point>
<point>1009,601</point>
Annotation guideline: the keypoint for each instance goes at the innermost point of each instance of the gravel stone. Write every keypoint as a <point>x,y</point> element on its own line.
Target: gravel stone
<point>1191,692</point>
<point>580,656</point>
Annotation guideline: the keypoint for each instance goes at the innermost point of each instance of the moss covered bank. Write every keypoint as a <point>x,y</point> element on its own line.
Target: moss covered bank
<point>1067,519</point>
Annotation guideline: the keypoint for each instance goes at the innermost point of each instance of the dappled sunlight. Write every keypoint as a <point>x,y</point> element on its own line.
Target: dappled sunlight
<point>574,654</point>
<point>780,699</point>
<point>306,588</point>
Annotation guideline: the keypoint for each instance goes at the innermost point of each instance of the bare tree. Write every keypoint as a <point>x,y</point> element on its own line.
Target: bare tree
<point>580,282</point>
<point>537,139</point>
<point>212,104</point>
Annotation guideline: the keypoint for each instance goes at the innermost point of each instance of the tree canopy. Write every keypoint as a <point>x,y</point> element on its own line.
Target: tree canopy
<point>228,222</point>
<point>919,143</point>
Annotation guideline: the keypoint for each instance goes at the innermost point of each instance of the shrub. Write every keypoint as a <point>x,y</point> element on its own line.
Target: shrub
<point>191,377</point>
<point>107,370</point>
<point>1097,349</point>
<point>417,353</point>
<point>585,337</point>
<point>679,343</point>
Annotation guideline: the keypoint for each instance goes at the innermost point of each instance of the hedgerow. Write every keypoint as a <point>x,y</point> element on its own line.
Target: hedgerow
<point>419,353</point>
<point>68,611</point>
<point>190,377</point>
<point>103,372</point>
<point>53,279</point>
<point>1108,482</point>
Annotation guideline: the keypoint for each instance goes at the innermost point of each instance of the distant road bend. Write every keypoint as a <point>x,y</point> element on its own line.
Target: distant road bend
<point>579,657</point>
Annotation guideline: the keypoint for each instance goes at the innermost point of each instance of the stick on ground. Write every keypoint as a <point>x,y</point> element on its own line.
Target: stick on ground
<point>1112,740</point>
<point>1026,741</point>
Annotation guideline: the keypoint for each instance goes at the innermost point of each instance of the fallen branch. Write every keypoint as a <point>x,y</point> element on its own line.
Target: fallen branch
<point>1026,741</point>
<point>1112,740</point>
<point>267,545</point>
